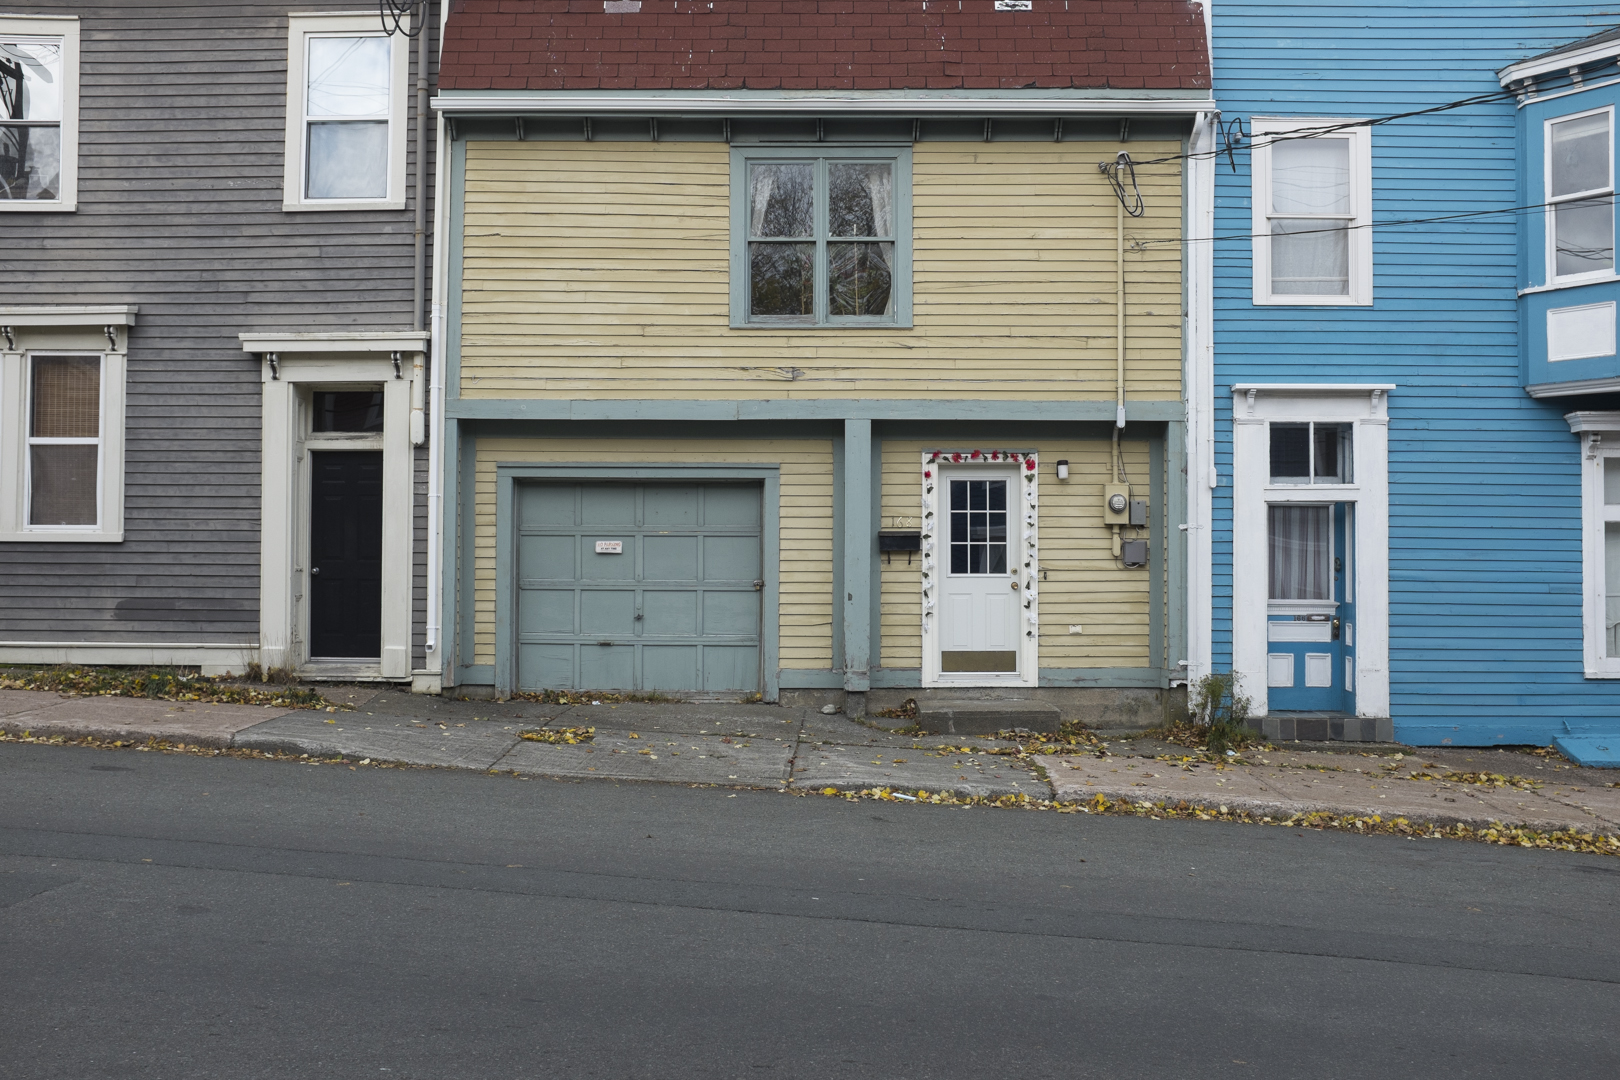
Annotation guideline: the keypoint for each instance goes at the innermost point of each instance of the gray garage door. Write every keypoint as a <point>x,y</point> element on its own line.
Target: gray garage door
<point>638,586</point>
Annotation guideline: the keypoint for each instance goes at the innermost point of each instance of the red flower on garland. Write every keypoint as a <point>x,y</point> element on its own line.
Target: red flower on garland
<point>928,474</point>
<point>956,457</point>
<point>1011,456</point>
<point>1030,464</point>
<point>974,455</point>
<point>935,457</point>
<point>995,455</point>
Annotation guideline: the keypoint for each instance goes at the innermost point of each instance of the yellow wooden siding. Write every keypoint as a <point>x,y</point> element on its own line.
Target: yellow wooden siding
<point>601,270</point>
<point>805,526</point>
<point>1084,584</point>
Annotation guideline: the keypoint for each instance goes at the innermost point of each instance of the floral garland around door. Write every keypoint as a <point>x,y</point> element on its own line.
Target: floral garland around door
<point>1028,573</point>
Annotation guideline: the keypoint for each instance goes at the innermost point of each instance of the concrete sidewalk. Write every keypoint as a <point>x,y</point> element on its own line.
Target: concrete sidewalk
<point>768,746</point>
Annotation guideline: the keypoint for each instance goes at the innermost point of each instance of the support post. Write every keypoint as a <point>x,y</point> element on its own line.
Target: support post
<point>859,541</point>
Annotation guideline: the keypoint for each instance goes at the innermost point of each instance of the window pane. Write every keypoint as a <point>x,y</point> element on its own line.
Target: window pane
<point>62,484</point>
<point>1310,258</point>
<point>859,279</point>
<point>348,76</point>
<point>860,199</point>
<point>66,397</point>
<point>30,162</point>
<point>348,410</point>
<point>1584,236</point>
<point>1611,589</point>
<point>781,279</point>
<point>30,81</point>
<point>781,200</point>
<point>1290,453</point>
<point>348,160</point>
<point>1299,543</point>
<point>1611,481</point>
<point>1580,155</point>
<point>1310,176</point>
<point>1332,453</point>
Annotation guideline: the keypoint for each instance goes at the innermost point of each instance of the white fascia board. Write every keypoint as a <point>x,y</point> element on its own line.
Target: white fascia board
<point>1560,63</point>
<point>811,102</point>
<point>363,341</point>
<point>1311,388</point>
<point>70,315</point>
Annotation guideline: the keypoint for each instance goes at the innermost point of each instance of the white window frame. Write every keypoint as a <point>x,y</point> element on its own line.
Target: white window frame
<point>1549,220</point>
<point>300,28</point>
<point>1360,286</point>
<point>66,30</point>
<point>1255,407</point>
<point>1600,440</point>
<point>61,331</point>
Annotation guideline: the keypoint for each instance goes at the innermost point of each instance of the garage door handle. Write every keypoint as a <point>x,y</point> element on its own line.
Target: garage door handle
<point>758,585</point>
<point>604,642</point>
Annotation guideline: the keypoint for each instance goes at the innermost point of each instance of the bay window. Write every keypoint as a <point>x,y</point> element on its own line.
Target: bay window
<point>1580,195</point>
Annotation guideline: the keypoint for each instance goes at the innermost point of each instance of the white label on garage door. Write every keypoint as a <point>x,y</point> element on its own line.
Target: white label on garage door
<point>610,547</point>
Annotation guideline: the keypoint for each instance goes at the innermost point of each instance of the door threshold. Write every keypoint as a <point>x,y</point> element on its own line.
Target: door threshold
<point>344,671</point>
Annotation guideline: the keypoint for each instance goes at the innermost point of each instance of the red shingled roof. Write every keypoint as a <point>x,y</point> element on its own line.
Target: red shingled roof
<point>823,45</point>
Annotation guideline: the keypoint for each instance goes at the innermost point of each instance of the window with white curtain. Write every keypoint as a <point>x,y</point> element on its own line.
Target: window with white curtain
<point>822,238</point>
<point>346,111</point>
<point>1580,194</point>
<point>39,112</point>
<point>1312,207</point>
<point>1300,545</point>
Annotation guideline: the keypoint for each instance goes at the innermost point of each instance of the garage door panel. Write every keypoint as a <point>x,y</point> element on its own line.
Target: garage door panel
<point>683,579</point>
<point>607,613</point>
<point>671,506</point>
<point>552,556</point>
<point>547,504</point>
<point>669,614</point>
<point>605,565</point>
<point>546,611</point>
<point>732,506</point>
<point>607,667</point>
<point>669,558</point>
<point>546,667</point>
<point>607,504</point>
<point>727,667</point>
<point>669,667</point>
<point>730,614</point>
<point>731,558</point>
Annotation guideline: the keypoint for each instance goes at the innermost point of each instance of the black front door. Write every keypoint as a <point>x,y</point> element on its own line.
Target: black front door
<point>345,554</point>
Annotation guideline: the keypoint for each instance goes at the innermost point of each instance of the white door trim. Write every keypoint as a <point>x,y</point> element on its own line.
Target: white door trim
<point>1254,408</point>
<point>284,527</point>
<point>1023,544</point>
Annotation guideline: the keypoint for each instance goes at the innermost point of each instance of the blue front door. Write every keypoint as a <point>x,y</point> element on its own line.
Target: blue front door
<point>1310,622</point>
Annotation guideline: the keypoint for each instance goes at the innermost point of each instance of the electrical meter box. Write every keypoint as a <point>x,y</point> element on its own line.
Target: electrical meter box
<point>1139,513</point>
<point>1116,504</point>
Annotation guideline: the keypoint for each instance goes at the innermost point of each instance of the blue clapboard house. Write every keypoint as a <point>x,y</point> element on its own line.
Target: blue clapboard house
<point>1405,395</point>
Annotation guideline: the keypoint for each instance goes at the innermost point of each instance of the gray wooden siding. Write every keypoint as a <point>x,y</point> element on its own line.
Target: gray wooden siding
<point>182,127</point>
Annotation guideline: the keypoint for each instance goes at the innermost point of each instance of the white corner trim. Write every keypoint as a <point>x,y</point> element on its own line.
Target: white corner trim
<point>1202,476</point>
<point>359,341</point>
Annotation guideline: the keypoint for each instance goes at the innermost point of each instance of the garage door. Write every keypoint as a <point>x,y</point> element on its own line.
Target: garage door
<point>638,586</point>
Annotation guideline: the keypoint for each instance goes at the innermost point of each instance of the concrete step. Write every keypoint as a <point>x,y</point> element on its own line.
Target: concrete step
<point>948,717</point>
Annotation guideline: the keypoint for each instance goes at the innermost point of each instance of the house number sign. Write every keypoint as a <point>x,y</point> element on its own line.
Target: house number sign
<point>610,547</point>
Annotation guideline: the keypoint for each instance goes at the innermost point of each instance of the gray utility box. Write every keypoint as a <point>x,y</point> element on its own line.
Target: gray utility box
<point>1134,552</point>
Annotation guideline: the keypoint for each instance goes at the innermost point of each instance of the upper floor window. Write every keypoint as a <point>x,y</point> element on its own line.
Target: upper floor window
<point>39,112</point>
<point>1312,208</point>
<point>345,114</point>
<point>1580,194</point>
<point>821,238</point>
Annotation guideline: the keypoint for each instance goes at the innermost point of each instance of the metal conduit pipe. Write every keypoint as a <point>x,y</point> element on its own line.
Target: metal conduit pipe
<point>419,252</point>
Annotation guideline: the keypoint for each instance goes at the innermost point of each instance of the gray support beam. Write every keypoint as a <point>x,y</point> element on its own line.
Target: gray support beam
<point>859,542</point>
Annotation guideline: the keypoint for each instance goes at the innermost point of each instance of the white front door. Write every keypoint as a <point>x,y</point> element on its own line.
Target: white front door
<point>979,593</point>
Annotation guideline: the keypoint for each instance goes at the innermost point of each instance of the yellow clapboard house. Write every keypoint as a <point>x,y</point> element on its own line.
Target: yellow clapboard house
<point>812,393</point>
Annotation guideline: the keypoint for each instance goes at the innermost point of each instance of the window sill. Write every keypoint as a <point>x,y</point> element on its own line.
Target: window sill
<point>344,204</point>
<point>38,206</point>
<point>896,324</point>
<point>1311,301</point>
<point>43,536</point>
<point>1572,283</point>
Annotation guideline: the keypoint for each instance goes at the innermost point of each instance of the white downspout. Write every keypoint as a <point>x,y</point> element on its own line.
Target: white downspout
<point>435,659</point>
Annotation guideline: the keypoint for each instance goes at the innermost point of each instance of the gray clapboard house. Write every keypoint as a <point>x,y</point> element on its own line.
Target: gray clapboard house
<point>213,338</point>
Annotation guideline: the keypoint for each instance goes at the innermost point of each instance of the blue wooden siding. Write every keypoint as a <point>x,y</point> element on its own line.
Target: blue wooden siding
<point>1485,559</point>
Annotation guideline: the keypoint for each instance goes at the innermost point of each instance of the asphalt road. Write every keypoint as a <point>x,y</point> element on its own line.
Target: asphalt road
<point>176,917</point>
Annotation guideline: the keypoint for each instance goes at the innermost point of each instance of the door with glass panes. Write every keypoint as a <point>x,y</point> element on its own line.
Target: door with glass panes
<point>1310,546</point>
<point>980,597</point>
